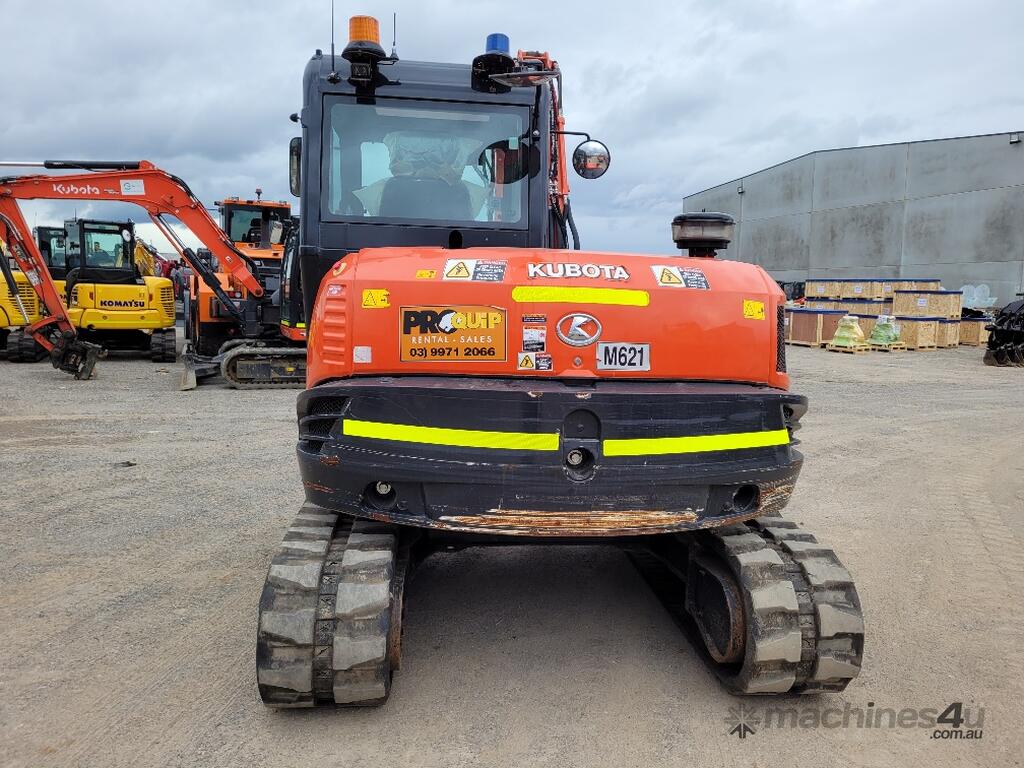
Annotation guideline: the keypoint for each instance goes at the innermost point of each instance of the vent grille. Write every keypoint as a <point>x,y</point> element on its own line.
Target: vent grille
<point>315,429</point>
<point>780,340</point>
<point>28,298</point>
<point>167,299</point>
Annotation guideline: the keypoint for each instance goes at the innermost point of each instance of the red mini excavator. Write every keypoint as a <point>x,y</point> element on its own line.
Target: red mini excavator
<point>473,380</point>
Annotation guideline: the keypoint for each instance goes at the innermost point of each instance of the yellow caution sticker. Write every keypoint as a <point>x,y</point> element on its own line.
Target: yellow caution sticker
<point>753,310</point>
<point>457,270</point>
<point>669,277</point>
<point>527,361</point>
<point>426,274</point>
<point>375,298</point>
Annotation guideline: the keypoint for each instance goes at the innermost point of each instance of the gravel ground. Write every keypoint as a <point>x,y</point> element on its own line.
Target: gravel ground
<point>128,614</point>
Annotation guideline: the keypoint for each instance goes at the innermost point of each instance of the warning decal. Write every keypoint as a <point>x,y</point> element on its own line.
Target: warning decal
<point>452,333</point>
<point>375,298</point>
<point>753,310</point>
<point>679,277</point>
<point>533,361</point>
<point>481,270</point>
<point>426,274</point>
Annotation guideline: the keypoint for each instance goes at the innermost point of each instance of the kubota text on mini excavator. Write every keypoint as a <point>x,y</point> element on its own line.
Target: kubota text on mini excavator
<point>471,381</point>
<point>161,195</point>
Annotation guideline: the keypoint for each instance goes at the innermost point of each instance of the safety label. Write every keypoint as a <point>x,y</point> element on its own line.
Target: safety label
<point>753,310</point>
<point>679,277</point>
<point>534,339</point>
<point>453,333</point>
<point>426,274</point>
<point>535,318</point>
<point>533,361</point>
<point>482,270</point>
<point>375,298</point>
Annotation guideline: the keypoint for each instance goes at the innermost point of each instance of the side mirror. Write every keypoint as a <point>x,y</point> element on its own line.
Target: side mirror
<point>501,164</point>
<point>591,159</point>
<point>294,164</point>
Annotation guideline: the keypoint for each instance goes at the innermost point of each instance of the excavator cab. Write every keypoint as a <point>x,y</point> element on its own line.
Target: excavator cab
<point>109,299</point>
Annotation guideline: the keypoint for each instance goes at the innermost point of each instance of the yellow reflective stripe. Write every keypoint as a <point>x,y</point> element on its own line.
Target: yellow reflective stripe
<point>559,294</point>
<point>300,325</point>
<point>462,438</point>
<point>652,446</point>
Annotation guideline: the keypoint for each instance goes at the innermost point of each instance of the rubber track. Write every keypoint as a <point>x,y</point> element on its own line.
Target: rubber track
<point>805,630</point>
<point>163,346</point>
<point>22,348</point>
<point>227,368</point>
<point>330,613</point>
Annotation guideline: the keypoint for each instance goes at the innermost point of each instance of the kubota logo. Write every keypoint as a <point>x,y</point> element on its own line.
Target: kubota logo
<point>578,329</point>
<point>74,189</point>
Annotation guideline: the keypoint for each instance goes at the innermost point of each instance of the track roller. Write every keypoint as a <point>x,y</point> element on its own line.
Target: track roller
<point>770,609</point>
<point>330,619</point>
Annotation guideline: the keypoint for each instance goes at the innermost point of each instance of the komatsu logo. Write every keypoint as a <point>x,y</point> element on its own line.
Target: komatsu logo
<point>122,304</point>
<point>572,270</point>
<point>74,189</point>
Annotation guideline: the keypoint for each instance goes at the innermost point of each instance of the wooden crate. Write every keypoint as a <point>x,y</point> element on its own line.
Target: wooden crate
<point>948,333</point>
<point>822,289</point>
<point>920,303</point>
<point>820,304</point>
<point>865,290</point>
<point>861,306</point>
<point>888,286</point>
<point>973,333</point>
<point>927,284</point>
<point>813,327</point>
<point>902,285</point>
<point>787,324</point>
<point>918,332</point>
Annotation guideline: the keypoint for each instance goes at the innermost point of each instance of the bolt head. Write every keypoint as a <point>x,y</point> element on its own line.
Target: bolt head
<point>383,488</point>
<point>574,458</point>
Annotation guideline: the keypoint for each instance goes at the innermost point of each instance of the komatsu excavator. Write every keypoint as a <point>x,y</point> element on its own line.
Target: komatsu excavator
<point>164,197</point>
<point>472,380</point>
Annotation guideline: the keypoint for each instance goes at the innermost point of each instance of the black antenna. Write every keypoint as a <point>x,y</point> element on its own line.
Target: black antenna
<point>394,34</point>
<point>333,76</point>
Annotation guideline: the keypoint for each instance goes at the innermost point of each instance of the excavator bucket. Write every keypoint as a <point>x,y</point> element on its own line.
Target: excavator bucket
<point>77,358</point>
<point>196,367</point>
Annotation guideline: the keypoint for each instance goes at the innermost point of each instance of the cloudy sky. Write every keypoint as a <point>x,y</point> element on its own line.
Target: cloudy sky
<point>686,94</point>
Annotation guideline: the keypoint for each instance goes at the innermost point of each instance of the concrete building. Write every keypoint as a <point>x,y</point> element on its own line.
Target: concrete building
<point>948,208</point>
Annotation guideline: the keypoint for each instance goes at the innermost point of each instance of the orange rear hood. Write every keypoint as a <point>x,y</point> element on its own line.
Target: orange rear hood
<point>550,313</point>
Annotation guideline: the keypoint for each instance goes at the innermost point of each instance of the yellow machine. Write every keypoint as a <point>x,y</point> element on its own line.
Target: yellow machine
<point>17,311</point>
<point>111,295</point>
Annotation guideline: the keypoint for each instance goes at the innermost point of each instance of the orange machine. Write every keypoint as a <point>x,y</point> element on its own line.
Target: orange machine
<point>473,380</point>
<point>258,228</point>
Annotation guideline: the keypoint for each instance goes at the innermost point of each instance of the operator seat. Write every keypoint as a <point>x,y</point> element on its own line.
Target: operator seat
<point>409,198</point>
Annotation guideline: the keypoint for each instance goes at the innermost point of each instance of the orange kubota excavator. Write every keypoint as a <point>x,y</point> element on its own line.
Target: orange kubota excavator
<point>163,196</point>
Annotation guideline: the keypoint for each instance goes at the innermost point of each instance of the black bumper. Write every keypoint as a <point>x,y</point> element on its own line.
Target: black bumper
<point>543,458</point>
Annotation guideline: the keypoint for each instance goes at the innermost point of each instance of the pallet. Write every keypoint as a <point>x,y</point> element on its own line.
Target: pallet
<point>923,348</point>
<point>806,344</point>
<point>973,343</point>
<point>856,349</point>
<point>896,346</point>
